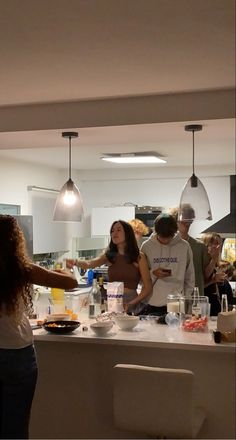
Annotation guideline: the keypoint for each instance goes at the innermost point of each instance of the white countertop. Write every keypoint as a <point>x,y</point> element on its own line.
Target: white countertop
<point>144,334</point>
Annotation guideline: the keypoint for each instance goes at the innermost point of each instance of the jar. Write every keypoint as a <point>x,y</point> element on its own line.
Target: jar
<point>57,300</point>
<point>173,310</point>
<point>195,314</point>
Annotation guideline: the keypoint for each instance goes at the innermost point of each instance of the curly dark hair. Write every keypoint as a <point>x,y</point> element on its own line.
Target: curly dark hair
<point>131,245</point>
<point>14,267</point>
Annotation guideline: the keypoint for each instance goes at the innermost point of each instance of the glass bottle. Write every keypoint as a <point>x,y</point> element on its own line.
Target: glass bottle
<point>224,303</point>
<point>102,288</point>
<point>172,318</point>
<point>196,306</point>
<point>95,300</point>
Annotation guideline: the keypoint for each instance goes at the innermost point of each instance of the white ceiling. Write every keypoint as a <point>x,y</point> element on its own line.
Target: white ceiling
<point>71,50</point>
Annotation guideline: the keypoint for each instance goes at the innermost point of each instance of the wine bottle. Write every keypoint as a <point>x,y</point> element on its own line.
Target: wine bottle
<point>95,300</point>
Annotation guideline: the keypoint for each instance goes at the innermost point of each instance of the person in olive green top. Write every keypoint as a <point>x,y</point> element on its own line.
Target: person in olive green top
<point>203,262</point>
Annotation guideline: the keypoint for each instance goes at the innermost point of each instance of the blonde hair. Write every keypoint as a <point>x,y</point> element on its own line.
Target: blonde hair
<point>174,212</point>
<point>139,227</point>
<point>209,238</point>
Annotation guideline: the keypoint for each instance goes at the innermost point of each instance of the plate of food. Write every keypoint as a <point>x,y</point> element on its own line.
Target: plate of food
<point>61,327</point>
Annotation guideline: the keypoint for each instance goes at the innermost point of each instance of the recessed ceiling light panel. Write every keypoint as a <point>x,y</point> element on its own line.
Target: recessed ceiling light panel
<point>134,158</point>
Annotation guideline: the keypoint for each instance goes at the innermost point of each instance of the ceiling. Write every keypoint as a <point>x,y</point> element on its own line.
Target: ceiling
<point>62,51</point>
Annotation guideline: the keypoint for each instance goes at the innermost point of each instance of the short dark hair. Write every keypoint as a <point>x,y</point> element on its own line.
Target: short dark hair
<point>165,225</point>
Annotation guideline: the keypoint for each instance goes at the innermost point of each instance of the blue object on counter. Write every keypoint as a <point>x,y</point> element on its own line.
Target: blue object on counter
<point>90,276</point>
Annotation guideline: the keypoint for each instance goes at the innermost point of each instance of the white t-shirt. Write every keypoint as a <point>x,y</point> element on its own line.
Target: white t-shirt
<point>15,330</point>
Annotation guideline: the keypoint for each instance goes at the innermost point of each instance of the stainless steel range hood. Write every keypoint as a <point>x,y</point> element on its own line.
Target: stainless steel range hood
<point>226,227</point>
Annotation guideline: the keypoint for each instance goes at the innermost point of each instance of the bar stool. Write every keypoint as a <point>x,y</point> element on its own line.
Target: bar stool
<point>158,402</point>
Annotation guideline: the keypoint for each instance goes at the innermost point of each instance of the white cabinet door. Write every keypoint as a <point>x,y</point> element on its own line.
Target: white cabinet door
<point>102,218</point>
<point>49,236</point>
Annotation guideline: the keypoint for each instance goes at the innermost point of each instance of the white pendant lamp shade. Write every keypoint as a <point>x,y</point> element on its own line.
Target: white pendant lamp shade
<point>194,202</point>
<point>69,204</point>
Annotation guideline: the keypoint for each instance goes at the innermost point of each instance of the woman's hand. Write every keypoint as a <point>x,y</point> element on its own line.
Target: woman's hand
<point>70,263</point>
<point>127,306</point>
<point>219,277</point>
<point>63,271</point>
<point>79,263</point>
<point>214,251</point>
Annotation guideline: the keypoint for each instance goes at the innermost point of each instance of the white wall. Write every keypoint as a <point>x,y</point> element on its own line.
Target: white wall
<point>152,186</point>
<point>15,177</point>
<point>157,187</point>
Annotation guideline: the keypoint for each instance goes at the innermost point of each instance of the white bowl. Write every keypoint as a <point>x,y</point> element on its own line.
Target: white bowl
<point>126,322</point>
<point>101,328</point>
<point>59,317</point>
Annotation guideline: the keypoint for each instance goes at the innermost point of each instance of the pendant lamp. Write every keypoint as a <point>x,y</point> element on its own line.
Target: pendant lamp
<point>194,202</point>
<point>69,205</point>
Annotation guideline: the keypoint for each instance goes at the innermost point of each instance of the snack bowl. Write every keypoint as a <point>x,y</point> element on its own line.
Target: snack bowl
<point>126,322</point>
<point>61,327</point>
<point>101,328</point>
<point>58,317</point>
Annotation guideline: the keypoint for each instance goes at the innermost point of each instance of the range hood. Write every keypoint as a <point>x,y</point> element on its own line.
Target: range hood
<point>226,227</point>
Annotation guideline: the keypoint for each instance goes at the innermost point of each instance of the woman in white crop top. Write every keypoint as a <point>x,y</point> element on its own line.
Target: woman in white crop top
<point>18,365</point>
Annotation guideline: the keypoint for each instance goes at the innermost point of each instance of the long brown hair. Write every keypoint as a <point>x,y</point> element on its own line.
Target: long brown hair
<point>131,247</point>
<point>14,266</point>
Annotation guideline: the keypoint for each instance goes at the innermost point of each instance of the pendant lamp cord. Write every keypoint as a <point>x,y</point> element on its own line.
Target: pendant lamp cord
<point>193,152</point>
<point>69,157</point>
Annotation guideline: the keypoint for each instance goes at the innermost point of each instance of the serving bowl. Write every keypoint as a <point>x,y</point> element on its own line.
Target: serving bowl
<point>101,328</point>
<point>126,322</point>
<point>61,327</point>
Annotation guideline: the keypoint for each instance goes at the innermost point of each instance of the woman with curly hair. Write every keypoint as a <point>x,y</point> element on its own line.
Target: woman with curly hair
<point>18,365</point>
<point>125,263</point>
<point>140,229</point>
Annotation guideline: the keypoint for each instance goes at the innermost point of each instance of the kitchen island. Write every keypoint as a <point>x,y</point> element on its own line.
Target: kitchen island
<point>74,392</point>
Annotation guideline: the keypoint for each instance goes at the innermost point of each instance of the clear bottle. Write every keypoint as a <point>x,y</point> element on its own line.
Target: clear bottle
<point>102,288</point>
<point>196,306</point>
<point>95,300</point>
<point>224,303</point>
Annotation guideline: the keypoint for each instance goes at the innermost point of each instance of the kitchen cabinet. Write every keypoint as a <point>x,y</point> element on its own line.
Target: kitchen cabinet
<point>48,236</point>
<point>102,218</point>
<point>87,243</point>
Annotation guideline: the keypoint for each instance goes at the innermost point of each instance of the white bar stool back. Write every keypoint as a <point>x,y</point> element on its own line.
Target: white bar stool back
<point>157,402</point>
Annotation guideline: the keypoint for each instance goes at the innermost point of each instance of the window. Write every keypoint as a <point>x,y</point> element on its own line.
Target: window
<point>9,209</point>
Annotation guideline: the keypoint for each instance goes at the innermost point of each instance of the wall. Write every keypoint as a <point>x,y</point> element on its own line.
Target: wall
<point>150,186</point>
<point>14,179</point>
<point>156,187</point>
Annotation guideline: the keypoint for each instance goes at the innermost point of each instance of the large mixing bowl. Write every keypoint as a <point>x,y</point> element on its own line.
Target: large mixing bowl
<point>126,322</point>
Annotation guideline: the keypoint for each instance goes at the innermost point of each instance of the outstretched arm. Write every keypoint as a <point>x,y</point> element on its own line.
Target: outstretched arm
<point>49,278</point>
<point>87,264</point>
